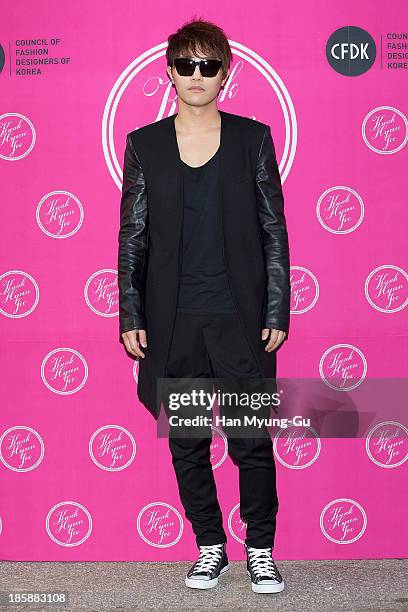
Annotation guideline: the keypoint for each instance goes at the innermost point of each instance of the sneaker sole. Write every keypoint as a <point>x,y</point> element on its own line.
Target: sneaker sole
<point>267,588</point>
<point>196,583</point>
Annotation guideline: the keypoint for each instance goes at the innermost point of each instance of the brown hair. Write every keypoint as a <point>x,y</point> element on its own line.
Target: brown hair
<point>199,35</point>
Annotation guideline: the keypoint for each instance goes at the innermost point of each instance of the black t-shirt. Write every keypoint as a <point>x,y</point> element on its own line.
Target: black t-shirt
<point>204,284</point>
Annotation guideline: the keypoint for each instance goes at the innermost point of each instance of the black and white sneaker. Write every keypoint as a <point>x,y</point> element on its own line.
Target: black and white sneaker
<point>261,568</point>
<point>212,562</point>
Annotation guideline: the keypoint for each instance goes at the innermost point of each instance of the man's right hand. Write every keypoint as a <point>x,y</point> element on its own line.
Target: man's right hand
<point>133,340</point>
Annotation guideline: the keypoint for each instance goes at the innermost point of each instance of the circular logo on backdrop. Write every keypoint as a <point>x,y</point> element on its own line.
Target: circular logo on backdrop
<point>19,294</point>
<point>218,447</point>
<point>160,524</point>
<point>387,444</point>
<point>17,136</point>
<point>343,367</point>
<point>297,447</point>
<point>112,448</point>
<point>68,523</point>
<point>102,293</point>
<point>340,210</point>
<point>59,214</point>
<point>304,290</point>
<point>385,130</point>
<point>386,289</point>
<point>64,371</point>
<point>236,525</point>
<point>343,521</point>
<point>21,448</point>
<point>146,79</point>
<point>351,51</point>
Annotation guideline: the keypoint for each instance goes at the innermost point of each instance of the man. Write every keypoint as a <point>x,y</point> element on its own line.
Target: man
<point>203,274</point>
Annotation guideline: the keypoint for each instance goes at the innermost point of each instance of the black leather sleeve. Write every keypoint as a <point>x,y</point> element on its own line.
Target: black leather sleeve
<point>270,205</point>
<point>133,243</point>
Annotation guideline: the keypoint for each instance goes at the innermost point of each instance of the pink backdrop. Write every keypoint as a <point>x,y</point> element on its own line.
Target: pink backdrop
<point>82,473</point>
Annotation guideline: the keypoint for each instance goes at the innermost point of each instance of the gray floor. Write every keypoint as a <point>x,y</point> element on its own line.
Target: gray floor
<point>325,586</point>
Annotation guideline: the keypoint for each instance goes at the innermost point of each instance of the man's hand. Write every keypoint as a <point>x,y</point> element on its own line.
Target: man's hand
<point>276,338</point>
<point>133,339</point>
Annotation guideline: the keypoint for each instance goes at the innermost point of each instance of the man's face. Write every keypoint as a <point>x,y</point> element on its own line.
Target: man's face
<point>196,90</point>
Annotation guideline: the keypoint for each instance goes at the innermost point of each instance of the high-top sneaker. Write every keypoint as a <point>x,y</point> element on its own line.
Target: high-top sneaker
<point>212,562</point>
<point>261,568</point>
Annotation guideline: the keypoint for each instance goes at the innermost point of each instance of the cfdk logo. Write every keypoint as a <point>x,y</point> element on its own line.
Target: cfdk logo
<point>351,51</point>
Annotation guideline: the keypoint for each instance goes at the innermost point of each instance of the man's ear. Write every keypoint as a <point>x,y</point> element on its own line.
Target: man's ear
<point>225,79</point>
<point>168,70</point>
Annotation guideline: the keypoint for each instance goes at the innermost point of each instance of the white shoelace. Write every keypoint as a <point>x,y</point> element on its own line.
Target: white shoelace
<point>262,562</point>
<point>209,557</point>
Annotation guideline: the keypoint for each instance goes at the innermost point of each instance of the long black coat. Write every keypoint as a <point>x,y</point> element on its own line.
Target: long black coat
<point>256,248</point>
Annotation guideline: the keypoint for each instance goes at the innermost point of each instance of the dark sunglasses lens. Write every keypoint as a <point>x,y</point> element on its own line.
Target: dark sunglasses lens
<point>209,68</point>
<point>186,67</point>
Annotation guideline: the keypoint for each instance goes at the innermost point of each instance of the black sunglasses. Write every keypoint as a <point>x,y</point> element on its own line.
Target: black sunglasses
<point>185,66</point>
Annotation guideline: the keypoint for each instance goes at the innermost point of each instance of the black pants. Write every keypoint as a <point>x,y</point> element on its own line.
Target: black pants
<point>213,346</point>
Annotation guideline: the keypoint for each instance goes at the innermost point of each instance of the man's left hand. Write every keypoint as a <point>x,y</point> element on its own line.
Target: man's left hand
<point>276,337</point>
